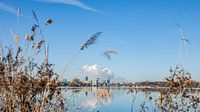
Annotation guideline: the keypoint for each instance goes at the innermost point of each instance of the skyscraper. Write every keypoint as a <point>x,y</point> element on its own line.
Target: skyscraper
<point>86,78</point>
<point>97,82</point>
<point>108,82</point>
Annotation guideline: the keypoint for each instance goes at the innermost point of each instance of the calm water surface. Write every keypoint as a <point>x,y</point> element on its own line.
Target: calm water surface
<point>106,100</point>
<point>109,99</point>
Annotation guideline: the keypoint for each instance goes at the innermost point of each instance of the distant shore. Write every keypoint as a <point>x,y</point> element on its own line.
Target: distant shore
<point>145,84</point>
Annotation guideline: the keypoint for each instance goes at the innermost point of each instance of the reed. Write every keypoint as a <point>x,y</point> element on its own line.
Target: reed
<point>25,85</point>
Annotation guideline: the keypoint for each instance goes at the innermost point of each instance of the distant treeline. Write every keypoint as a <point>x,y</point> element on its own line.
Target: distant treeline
<point>194,84</point>
<point>79,83</point>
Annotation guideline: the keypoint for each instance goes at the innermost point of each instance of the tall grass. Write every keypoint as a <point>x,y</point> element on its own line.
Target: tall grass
<point>26,85</point>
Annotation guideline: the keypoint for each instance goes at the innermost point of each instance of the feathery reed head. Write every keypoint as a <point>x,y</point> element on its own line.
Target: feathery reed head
<point>109,53</point>
<point>48,21</point>
<point>90,41</point>
<point>30,37</point>
<point>39,44</point>
<point>33,28</point>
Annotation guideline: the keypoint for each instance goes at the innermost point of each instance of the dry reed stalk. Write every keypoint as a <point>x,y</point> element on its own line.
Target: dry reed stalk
<point>90,41</point>
<point>23,81</point>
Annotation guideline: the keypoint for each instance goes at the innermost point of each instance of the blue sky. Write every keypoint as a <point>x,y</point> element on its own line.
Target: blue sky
<point>142,31</point>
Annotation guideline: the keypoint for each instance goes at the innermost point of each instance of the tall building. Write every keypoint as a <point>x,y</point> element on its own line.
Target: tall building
<point>108,82</point>
<point>65,80</point>
<point>104,83</point>
<point>86,78</point>
<point>97,82</point>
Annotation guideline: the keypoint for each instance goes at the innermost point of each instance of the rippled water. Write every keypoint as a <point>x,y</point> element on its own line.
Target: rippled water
<point>108,99</point>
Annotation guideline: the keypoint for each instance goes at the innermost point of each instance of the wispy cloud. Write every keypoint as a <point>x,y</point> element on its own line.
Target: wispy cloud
<point>8,8</point>
<point>11,10</point>
<point>76,3</point>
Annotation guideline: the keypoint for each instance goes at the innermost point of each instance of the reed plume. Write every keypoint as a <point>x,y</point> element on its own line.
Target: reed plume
<point>109,53</point>
<point>48,21</point>
<point>91,41</point>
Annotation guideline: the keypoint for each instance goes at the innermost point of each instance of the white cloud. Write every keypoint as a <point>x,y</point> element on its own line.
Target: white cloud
<point>12,10</point>
<point>72,2</point>
<point>98,70</point>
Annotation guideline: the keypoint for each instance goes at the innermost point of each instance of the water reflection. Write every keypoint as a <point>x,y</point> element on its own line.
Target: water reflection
<point>109,99</point>
<point>99,98</point>
<point>89,99</point>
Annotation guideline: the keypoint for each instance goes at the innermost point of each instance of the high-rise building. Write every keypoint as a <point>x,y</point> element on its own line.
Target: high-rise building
<point>86,78</point>
<point>97,82</point>
<point>65,80</point>
<point>108,82</point>
<point>104,83</point>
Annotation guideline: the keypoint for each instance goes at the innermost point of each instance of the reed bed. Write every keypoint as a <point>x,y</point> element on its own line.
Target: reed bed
<point>26,85</point>
<point>177,96</point>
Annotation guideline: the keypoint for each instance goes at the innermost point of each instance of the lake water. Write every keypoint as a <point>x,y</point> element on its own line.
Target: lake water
<point>107,100</point>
